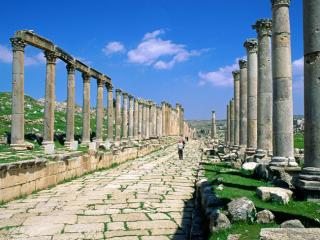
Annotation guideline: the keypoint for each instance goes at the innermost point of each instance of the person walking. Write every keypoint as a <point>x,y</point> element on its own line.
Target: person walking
<point>180,149</point>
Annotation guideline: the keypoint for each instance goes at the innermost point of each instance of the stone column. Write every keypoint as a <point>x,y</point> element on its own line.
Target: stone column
<point>110,112</point>
<point>125,116</point>
<point>264,141</point>
<point>154,120</point>
<point>282,86</point>
<point>232,122</point>
<point>136,119</point>
<point>243,104</point>
<point>144,117</point>
<point>148,120</point>
<point>86,110</point>
<point>252,48</point>
<point>158,124</point>
<point>310,176</point>
<point>236,77</point>
<point>99,112</point>
<point>70,105</point>
<point>118,115</point>
<point>181,122</point>
<point>213,125</point>
<point>17,121</point>
<point>131,105</point>
<point>228,124</point>
<point>140,130</point>
<point>163,108</point>
<point>48,120</point>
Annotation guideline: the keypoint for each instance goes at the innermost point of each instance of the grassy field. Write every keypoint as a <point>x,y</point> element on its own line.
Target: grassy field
<point>298,141</point>
<point>240,184</point>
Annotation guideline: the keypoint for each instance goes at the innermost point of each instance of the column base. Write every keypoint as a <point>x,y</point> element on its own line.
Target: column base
<point>250,151</point>
<point>309,183</point>
<point>85,143</point>
<point>19,146</point>
<point>72,145</point>
<point>283,162</point>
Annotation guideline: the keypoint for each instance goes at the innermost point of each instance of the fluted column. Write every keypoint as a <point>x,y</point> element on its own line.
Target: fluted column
<point>17,121</point>
<point>131,117</point>
<point>232,122</point>
<point>243,103</point>
<point>110,112</point>
<point>141,112</point>
<point>125,116</point>
<point>252,48</point>
<point>236,77</point>
<point>86,109</point>
<point>282,85</point>
<point>99,111</point>
<point>118,114</point>
<point>310,175</point>
<point>213,125</point>
<point>136,119</point>
<point>70,105</point>
<point>48,120</point>
<point>264,125</point>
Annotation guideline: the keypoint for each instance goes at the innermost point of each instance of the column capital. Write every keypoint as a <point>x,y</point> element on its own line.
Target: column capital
<point>100,82</point>
<point>251,45</point>
<point>109,87</point>
<point>118,91</point>
<point>125,95</point>
<point>51,56</point>
<point>276,3</point>
<point>17,44</point>
<point>130,96</point>
<point>70,68</point>
<point>86,77</point>
<point>242,63</point>
<point>236,75</point>
<point>213,111</point>
<point>263,27</point>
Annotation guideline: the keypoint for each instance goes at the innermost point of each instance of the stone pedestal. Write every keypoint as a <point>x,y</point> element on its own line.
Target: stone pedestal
<point>264,141</point>
<point>110,112</point>
<point>243,104</point>
<point>70,106</point>
<point>282,86</point>
<point>252,48</point>
<point>86,110</point>
<point>309,179</point>
<point>48,120</point>
<point>17,121</point>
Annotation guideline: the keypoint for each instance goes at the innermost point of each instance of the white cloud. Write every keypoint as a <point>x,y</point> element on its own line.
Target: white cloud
<point>220,77</point>
<point>159,53</point>
<point>6,57</point>
<point>113,47</point>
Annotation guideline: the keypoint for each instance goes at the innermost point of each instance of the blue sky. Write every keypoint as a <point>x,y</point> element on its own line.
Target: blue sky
<point>179,51</point>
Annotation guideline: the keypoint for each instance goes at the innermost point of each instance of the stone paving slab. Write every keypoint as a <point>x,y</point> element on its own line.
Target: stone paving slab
<point>144,199</point>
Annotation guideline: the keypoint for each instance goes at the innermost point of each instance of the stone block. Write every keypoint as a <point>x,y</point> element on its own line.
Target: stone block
<point>49,148</point>
<point>73,145</point>
<point>290,233</point>
<point>264,193</point>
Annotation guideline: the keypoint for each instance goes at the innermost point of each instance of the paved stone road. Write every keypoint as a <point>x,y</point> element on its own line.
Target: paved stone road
<point>148,198</point>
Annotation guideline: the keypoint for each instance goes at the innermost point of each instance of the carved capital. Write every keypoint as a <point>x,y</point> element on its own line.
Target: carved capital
<point>17,44</point>
<point>263,27</point>
<point>276,3</point>
<point>236,75</point>
<point>50,56</point>
<point>125,95</point>
<point>109,87</point>
<point>130,97</point>
<point>118,91</point>
<point>251,45</point>
<point>70,68</point>
<point>100,82</point>
<point>86,77</point>
<point>242,63</point>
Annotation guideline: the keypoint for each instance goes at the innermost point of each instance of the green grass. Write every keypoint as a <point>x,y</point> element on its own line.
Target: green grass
<point>299,140</point>
<point>236,185</point>
<point>247,231</point>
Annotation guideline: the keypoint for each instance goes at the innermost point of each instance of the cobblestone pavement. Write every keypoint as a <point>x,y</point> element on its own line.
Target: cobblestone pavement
<point>147,198</point>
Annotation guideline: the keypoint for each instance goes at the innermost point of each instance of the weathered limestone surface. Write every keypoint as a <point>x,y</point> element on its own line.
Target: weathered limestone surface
<point>243,103</point>
<point>131,115</point>
<point>86,110</point>
<point>228,124</point>
<point>310,176</point>
<point>118,115</point>
<point>136,119</point>
<point>100,112</point>
<point>290,233</point>
<point>125,116</point>
<point>232,122</point>
<point>147,198</point>
<point>70,105</point>
<point>213,125</point>
<point>283,151</point>
<point>264,125</point>
<point>110,112</point>
<point>236,78</point>
<point>252,48</point>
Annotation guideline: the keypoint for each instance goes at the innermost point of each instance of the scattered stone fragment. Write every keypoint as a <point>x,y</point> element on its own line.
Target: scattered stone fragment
<point>241,209</point>
<point>295,223</point>
<point>265,216</point>
<point>218,221</point>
